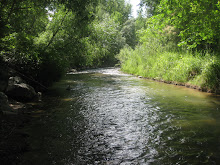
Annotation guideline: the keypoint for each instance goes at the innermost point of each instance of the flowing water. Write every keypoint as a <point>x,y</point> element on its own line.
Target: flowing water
<point>117,119</point>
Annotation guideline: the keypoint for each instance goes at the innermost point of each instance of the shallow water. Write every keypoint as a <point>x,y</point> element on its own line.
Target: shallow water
<point>113,118</point>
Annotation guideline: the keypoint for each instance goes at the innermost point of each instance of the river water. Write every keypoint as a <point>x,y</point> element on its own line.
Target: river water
<point>117,119</point>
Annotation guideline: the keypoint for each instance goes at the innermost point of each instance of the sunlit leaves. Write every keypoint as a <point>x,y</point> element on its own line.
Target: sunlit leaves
<point>105,41</point>
<point>58,33</point>
<point>129,32</point>
<point>151,6</point>
<point>198,21</point>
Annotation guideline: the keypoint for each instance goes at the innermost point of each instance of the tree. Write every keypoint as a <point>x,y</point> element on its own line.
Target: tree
<point>78,33</point>
<point>119,10</point>
<point>20,23</point>
<point>30,41</point>
<point>129,32</point>
<point>197,20</point>
<point>104,42</point>
<point>151,6</point>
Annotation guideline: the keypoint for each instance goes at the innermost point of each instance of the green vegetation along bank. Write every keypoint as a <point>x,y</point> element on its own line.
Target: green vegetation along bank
<point>179,43</point>
<point>189,69</point>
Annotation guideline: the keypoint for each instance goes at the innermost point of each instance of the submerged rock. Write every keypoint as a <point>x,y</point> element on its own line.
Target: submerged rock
<point>68,88</point>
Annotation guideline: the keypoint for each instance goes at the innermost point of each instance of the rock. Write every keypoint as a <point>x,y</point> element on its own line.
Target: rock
<point>17,107</point>
<point>68,88</point>
<point>4,105</point>
<point>73,70</point>
<point>15,80</point>
<point>140,77</point>
<point>39,96</point>
<point>19,90</point>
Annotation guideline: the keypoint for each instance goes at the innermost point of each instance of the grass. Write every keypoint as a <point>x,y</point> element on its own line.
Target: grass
<point>201,70</point>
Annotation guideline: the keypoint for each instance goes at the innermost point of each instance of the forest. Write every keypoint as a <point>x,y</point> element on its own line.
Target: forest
<point>50,117</point>
<point>173,41</point>
<point>179,44</point>
<point>42,39</point>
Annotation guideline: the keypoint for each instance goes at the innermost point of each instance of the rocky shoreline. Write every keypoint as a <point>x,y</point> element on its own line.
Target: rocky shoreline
<point>15,112</point>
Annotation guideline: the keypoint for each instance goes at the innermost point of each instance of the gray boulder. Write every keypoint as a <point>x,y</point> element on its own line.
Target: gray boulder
<point>19,90</point>
<point>15,80</point>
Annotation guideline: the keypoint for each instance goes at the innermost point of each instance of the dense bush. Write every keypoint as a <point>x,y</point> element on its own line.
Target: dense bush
<point>179,43</point>
<point>191,68</point>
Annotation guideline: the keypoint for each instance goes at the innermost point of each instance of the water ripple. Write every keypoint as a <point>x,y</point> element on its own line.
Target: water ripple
<point>112,118</point>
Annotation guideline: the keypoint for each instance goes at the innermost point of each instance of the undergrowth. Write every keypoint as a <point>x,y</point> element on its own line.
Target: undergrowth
<point>196,69</point>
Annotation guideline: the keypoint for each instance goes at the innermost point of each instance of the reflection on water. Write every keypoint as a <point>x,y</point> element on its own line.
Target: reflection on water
<point>112,118</point>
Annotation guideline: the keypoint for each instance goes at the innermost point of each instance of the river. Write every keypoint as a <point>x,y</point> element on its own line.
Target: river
<point>113,118</point>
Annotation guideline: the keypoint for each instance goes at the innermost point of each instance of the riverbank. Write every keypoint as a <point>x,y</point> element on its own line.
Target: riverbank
<point>187,85</point>
<point>14,138</point>
<point>18,102</point>
<point>194,70</point>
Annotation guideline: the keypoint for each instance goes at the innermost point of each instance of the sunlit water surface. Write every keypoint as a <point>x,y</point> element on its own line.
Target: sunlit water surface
<point>113,118</point>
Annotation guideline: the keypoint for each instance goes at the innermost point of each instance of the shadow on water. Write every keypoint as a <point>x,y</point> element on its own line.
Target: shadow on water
<point>112,118</point>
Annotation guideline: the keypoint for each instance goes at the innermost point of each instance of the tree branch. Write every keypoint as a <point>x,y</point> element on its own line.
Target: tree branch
<point>54,34</point>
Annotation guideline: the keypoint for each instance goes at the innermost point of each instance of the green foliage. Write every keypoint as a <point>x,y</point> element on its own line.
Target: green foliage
<point>104,42</point>
<point>169,42</point>
<point>105,37</point>
<point>188,67</point>
<point>43,38</point>
<point>151,6</point>
<point>211,74</point>
<point>119,10</point>
<point>31,41</point>
<point>140,22</point>
<point>129,32</point>
<point>20,23</point>
<point>197,21</point>
<point>50,69</point>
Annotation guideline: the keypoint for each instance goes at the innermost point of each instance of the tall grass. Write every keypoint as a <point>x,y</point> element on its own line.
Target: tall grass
<point>195,69</point>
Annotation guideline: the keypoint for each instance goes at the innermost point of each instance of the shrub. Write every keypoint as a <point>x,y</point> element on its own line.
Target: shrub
<point>202,70</point>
